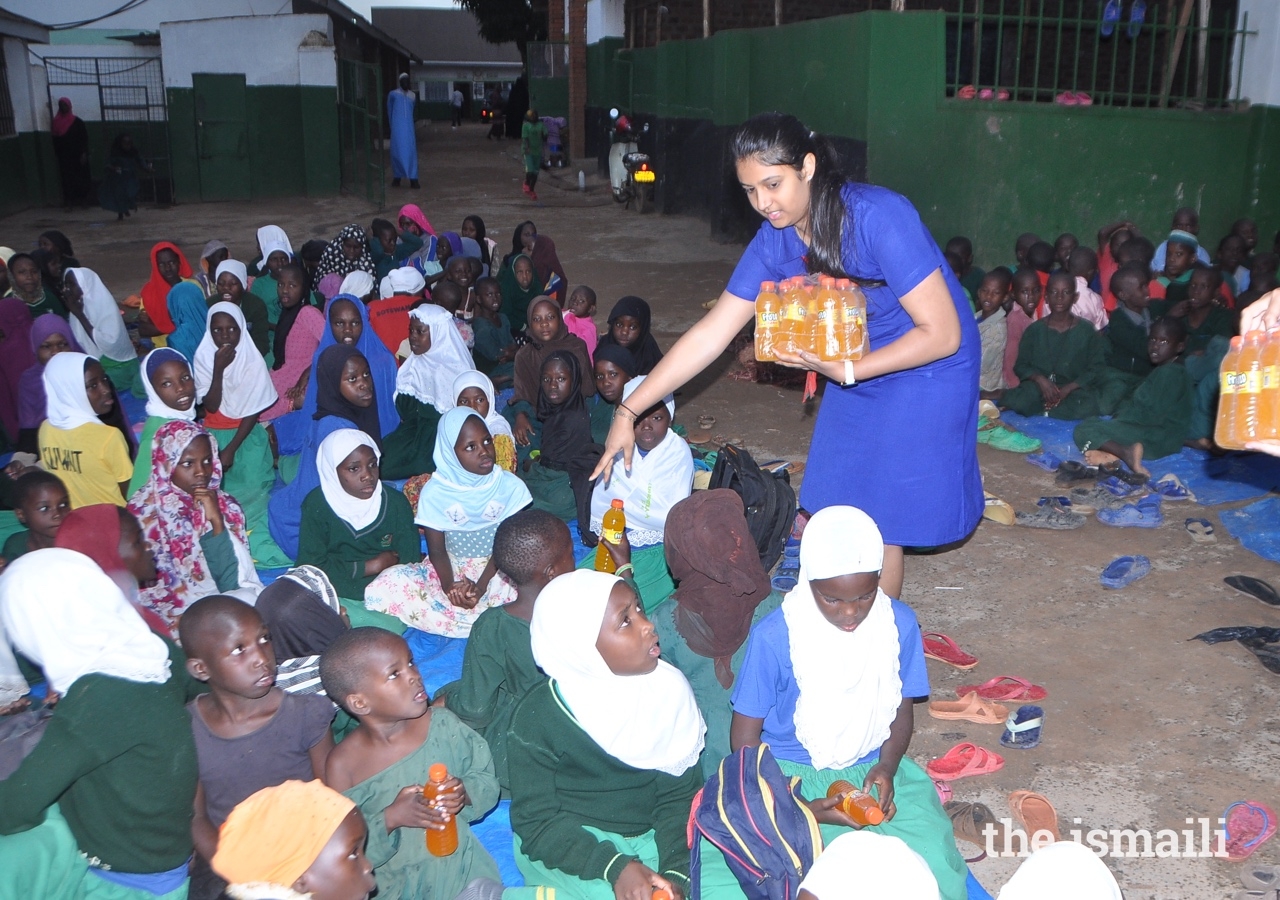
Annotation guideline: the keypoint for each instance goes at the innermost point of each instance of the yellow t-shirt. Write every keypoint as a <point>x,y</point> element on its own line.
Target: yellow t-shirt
<point>90,459</point>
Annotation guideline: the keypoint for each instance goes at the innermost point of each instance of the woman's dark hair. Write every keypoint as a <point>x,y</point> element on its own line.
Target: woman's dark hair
<point>516,246</point>
<point>478,224</point>
<point>777,139</point>
<point>116,418</point>
<point>60,241</point>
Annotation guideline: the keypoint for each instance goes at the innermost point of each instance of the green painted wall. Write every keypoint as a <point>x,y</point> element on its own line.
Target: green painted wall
<point>287,124</point>
<point>549,96</point>
<point>987,170</point>
<point>28,174</point>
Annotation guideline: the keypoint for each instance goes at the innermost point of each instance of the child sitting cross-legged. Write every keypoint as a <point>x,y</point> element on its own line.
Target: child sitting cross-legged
<point>249,733</point>
<point>603,753</point>
<point>1153,422</point>
<point>531,548</point>
<point>295,840</point>
<point>383,763</point>
<point>1060,359</point>
<point>828,683</point>
<point>460,508</point>
<point>661,476</point>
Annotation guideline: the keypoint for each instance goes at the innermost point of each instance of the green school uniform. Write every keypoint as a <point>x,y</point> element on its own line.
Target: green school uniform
<point>1218,323</point>
<point>410,449</point>
<point>1156,416</point>
<point>249,480</point>
<point>1075,355</point>
<point>601,418</point>
<point>491,340</point>
<point>266,288</point>
<point>333,546</point>
<point>972,280</point>
<point>49,303</point>
<point>16,545</point>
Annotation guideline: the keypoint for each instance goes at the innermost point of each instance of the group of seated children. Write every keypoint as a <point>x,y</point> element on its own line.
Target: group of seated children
<point>1127,339</point>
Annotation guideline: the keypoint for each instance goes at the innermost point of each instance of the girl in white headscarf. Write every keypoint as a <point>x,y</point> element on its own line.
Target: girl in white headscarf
<point>97,325</point>
<point>235,388</point>
<point>275,252</point>
<point>354,526</point>
<point>828,683</point>
<point>232,282</point>
<point>424,391</point>
<point>91,457</point>
<point>603,755</point>
<point>474,390</point>
<point>116,761</point>
<point>171,394</point>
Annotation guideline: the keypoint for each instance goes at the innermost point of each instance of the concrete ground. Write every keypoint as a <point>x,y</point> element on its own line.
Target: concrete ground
<point>1143,730</point>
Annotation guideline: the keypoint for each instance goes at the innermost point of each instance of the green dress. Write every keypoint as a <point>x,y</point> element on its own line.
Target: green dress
<point>714,699</point>
<point>401,863</point>
<point>1127,362</point>
<point>1158,415</point>
<point>601,418</point>
<point>142,463</point>
<point>1075,355</point>
<point>249,480</point>
<point>266,288</point>
<point>410,449</point>
<point>333,546</point>
<point>1218,323</point>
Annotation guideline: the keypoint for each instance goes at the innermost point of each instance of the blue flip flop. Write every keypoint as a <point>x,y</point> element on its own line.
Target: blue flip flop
<point>1124,571</point>
<point>1110,16</point>
<point>787,576</point>
<point>1137,15</point>
<point>1142,514</point>
<point>1045,460</point>
<point>1118,487</point>
<point>1061,502</point>
<point>1023,727</point>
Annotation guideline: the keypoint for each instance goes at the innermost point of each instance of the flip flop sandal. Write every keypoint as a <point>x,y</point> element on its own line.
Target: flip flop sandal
<point>1266,653</point>
<point>1170,487</point>
<point>1249,825</point>
<point>1137,15</point>
<point>1110,16</point>
<point>1034,812</point>
<point>988,410</point>
<point>1124,571</point>
<point>1256,895</point>
<point>1023,728</point>
<point>969,708</point>
<point>996,510</point>
<point>1052,517</point>
<point>787,576</point>
<point>1005,688</point>
<point>969,823</point>
<point>1131,516</point>
<point>706,423</point>
<point>1127,475</point>
<point>1088,501</point>
<point>1045,460</point>
<point>942,648</point>
<point>1117,486</point>
<point>1201,530</point>
<point>968,92</point>
<point>1072,471</point>
<point>1258,877</point>
<point>944,791</point>
<point>1255,588</point>
<point>964,761</point>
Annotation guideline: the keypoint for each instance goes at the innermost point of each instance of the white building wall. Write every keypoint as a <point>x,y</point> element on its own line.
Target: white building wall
<point>145,16</point>
<point>605,18</point>
<point>265,50</point>
<point>26,115</point>
<point>1260,78</point>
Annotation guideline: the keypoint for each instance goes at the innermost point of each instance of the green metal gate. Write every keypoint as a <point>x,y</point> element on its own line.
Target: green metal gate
<point>360,131</point>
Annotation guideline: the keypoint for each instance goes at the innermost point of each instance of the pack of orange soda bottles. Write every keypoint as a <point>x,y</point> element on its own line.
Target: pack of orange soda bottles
<point>823,315</point>
<point>1249,402</point>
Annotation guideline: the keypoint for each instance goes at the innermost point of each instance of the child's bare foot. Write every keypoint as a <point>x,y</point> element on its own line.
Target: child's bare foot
<point>1133,459</point>
<point>1100,458</point>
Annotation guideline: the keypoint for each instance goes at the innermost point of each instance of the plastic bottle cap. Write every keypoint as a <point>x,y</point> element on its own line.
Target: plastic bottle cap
<point>768,287</point>
<point>874,815</point>
<point>1237,342</point>
<point>616,504</point>
<point>437,773</point>
<point>660,894</point>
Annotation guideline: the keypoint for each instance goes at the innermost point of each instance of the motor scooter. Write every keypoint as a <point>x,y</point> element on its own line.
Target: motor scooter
<point>631,173</point>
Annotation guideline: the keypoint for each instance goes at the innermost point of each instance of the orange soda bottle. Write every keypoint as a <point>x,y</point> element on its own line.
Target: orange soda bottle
<point>1249,388</point>
<point>1269,405</point>
<point>1224,429</point>
<point>793,335</point>
<point>827,328</point>
<point>768,321</point>
<point>439,843</point>
<point>856,804</point>
<point>613,523</point>
<point>660,894</point>
<point>853,320</point>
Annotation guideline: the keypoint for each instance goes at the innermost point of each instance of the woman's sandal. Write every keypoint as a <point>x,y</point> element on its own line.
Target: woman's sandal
<point>1200,529</point>
<point>969,822</point>
<point>964,761</point>
<point>1254,587</point>
<point>942,648</point>
<point>1034,812</point>
<point>969,708</point>
<point>1260,877</point>
<point>1249,825</point>
<point>1005,688</point>
<point>1023,728</point>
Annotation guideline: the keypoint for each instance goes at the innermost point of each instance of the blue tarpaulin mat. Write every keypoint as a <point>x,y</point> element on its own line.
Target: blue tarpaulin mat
<point>1257,527</point>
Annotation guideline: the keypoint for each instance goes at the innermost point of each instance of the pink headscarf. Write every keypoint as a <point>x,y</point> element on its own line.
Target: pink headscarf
<point>413,213</point>
<point>64,118</point>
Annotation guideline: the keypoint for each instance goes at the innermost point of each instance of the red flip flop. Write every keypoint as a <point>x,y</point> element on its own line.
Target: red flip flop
<point>1249,825</point>
<point>1005,687</point>
<point>964,761</point>
<point>942,648</point>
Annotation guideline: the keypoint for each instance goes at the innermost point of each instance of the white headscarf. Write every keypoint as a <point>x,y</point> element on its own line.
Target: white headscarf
<point>156,406</point>
<point>246,383</point>
<point>457,500</point>
<point>404,280</point>
<point>66,399</point>
<point>658,481</point>
<point>429,376</point>
<point>1062,871</point>
<point>646,721</point>
<point>357,513</point>
<point>68,617</point>
<point>110,337</point>
<point>236,268</point>
<point>474,379</point>
<point>357,283</point>
<point>272,238</point>
<point>882,868</point>
<point>850,689</point>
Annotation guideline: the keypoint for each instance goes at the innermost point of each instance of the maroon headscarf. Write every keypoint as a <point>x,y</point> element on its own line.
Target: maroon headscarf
<point>16,357</point>
<point>713,558</point>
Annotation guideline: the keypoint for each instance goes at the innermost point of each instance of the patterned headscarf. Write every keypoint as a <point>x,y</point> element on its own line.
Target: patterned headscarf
<point>334,262</point>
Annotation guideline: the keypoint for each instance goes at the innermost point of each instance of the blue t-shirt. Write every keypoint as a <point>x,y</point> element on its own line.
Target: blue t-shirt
<point>765,687</point>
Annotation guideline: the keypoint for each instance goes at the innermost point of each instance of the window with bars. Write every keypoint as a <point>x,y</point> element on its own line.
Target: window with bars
<point>8,127</point>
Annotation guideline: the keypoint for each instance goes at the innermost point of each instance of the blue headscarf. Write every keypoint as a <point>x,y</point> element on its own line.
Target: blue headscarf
<point>188,309</point>
<point>382,366</point>
<point>457,500</point>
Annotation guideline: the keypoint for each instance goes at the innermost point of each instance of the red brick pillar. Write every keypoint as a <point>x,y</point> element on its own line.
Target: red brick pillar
<point>577,77</point>
<point>555,20</point>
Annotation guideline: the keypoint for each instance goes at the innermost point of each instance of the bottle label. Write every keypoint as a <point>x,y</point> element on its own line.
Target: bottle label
<point>1249,382</point>
<point>1271,378</point>
<point>795,312</point>
<point>1229,382</point>
<point>612,536</point>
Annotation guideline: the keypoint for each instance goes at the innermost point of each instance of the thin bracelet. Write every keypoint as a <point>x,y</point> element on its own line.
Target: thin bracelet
<point>623,568</point>
<point>628,409</point>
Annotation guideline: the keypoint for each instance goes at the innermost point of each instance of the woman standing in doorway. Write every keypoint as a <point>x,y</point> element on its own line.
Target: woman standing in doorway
<point>894,436</point>
<point>71,147</point>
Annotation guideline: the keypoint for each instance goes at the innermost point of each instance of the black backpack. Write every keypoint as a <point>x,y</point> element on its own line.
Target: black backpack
<point>769,500</point>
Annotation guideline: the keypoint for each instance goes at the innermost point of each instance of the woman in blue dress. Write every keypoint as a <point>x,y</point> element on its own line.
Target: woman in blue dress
<point>895,433</point>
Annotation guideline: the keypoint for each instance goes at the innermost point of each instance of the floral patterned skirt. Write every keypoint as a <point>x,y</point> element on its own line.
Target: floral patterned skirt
<point>413,594</point>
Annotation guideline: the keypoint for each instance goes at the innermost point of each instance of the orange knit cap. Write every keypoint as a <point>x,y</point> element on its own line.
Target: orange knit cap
<point>276,834</point>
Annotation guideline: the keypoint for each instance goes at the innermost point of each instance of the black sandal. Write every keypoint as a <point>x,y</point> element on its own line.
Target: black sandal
<point>1255,588</point>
